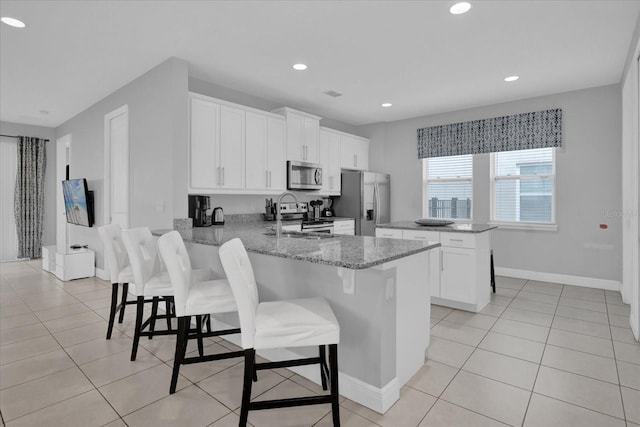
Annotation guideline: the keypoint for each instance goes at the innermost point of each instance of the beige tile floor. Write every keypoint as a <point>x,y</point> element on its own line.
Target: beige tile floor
<point>541,354</point>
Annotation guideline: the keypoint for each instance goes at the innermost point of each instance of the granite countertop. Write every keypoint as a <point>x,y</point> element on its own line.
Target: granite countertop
<point>454,228</point>
<point>353,252</point>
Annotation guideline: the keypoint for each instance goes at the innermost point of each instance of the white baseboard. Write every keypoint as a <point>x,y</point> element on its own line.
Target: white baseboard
<point>374,398</point>
<point>564,279</point>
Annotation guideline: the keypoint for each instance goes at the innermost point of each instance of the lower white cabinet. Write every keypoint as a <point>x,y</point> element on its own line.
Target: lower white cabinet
<point>74,264</point>
<point>344,227</point>
<point>460,269</point>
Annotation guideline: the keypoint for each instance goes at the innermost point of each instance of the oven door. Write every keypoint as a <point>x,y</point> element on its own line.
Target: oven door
<point>317,228</point>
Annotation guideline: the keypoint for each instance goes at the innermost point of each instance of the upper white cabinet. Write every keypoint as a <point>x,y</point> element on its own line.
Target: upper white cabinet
<point>330,161</point>
<point>265,152</point>
<point>204,144</point>
<point>232,131</point>
<point>216,146</point>
<point>354,152</point>
<point>303,135</point>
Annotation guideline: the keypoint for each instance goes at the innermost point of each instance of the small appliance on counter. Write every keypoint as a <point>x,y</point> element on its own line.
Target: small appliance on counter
<point>315,204</point>
<point>199,210</point>
<point>218,216</point>
<point>328,211</point>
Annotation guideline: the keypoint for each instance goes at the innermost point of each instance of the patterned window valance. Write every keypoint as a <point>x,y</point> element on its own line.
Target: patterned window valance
<point>540,129</point>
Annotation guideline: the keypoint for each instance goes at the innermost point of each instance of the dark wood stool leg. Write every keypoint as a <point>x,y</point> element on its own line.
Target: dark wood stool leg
<point>324,371</point>
<point>154,314</point>
<point>335,396</point>
<point>112,311</point>
<point>249,361</point>
<point>123,302</point>
<point>136,333</point>
<point>167,307</point>
<point>199,335</point>
<point>184,324</point>
<point>493,275</point>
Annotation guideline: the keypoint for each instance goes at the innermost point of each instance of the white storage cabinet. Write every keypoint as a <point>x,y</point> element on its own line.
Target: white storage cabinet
<point>461,277</point>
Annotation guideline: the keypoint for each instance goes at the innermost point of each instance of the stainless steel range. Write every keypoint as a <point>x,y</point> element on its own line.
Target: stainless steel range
<point>317,226</point>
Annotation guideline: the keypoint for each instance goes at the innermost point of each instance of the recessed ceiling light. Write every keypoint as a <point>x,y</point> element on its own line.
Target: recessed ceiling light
<point>299,67</point>
<point>12,22</point>
<point>387,104</point>
<point>511,78</point>
<point>460,8</point>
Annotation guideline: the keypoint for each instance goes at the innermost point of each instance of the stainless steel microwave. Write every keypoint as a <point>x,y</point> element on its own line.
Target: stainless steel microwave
<point>303,176</point>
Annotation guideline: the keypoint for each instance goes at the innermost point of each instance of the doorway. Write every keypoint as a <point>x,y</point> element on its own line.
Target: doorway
<point>116,167</point>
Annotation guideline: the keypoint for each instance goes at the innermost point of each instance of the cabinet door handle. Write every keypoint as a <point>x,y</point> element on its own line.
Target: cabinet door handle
<point>269,179</point>
<point>355,160</point>
<point>218,176</point>
<point>266,178</point>
<point>441,261</point>
<point>456,240</point>
<point>223,176</point>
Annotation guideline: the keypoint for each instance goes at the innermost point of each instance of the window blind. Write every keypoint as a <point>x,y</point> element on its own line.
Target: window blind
<point>524,184</point>
<point>448,187</point>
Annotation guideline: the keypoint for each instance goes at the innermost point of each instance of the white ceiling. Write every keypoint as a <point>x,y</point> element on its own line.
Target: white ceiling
<point>411,53</point>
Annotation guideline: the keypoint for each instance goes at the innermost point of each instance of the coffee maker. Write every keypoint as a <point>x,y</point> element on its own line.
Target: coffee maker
<point>199,210</point>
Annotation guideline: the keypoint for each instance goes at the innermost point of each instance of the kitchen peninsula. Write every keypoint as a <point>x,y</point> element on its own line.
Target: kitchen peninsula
<point>378,289</point>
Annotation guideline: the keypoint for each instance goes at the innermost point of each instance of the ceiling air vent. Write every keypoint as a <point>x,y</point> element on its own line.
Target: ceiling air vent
<point>333,93</point>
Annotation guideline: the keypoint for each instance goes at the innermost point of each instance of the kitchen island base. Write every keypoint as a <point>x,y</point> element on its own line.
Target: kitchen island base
<point>383,311</point>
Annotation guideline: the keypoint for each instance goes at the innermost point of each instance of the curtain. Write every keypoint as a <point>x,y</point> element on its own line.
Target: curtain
<point>539,129</point>
<point>29,195</point>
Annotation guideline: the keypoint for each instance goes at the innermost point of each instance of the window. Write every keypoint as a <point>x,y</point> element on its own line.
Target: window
<point>447,187</point>
<point>524,186</point>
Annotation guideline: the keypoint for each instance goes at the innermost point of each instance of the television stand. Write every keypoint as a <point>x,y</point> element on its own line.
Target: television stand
<point>70,265</point>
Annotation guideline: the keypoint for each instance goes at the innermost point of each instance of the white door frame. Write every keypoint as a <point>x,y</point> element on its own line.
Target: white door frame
<point>122,165</point>
<point>63,158</point>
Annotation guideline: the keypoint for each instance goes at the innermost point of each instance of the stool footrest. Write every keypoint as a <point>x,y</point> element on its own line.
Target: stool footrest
<point>213,333</point>
<point>211,357</point>
<point>294,401</point>
<point>287,363</point>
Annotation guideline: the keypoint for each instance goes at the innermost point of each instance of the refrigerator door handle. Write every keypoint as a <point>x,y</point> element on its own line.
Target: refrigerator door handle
<point>376,203</point>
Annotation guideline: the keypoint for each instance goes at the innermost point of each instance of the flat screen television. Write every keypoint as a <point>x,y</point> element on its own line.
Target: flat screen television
<point>78,202</point>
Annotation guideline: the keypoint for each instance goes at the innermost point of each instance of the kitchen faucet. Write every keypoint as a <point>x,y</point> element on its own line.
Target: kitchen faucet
<point>279,213</point>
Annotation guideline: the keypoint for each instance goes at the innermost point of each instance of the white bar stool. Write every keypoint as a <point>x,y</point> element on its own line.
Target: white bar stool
<point>151,283</point>
<point>119,271</point>
<point>276,324</point>
<point>193,298</point>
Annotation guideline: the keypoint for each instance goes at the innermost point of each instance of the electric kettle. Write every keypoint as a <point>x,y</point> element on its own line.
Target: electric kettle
<point>218,216</point>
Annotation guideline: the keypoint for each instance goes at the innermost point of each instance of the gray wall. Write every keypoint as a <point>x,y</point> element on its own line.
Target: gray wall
<point>588,182</point>
<point>158,123</point>
<point>17,129</point>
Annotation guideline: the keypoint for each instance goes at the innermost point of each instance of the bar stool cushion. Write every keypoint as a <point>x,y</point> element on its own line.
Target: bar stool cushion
<point>295,323</point>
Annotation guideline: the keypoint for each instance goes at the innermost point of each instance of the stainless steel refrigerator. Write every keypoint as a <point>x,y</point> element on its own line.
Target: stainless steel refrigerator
<point>365,197</point>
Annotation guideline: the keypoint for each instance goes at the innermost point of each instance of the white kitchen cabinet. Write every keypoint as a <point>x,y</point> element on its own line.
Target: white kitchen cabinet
<point>354,152</point>
<point>344,227</point>
<point>330,162</point>
<point>391,233</point>
<point>265,152</point>
<point>434,257</point>
<point>203,144</point>
<point>216,146</point>
<point>303,135</point>
<point>457,275</point>
<point>460,269</point>
<point>232,147</point>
